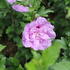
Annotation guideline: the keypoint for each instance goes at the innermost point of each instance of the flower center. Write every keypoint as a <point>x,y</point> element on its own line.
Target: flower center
<point>37,26</point>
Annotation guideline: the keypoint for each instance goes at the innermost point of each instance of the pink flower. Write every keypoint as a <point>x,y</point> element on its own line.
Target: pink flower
<point>20,8</point>
<point>11,1</point>
<point>38,34</point>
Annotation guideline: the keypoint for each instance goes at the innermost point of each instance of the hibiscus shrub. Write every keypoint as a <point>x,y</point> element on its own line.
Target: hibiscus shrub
<point>34,35</point>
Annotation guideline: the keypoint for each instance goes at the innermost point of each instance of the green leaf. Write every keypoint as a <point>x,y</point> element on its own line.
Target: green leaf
<point>52,53</point>
<point>35,4</point>
<point>2,47</point>
<point>2,62</point>
<point>3,4</point>
<point>18,41</point>
<point>49,57</point>
<point>68,13</point>
<point>14,61</point>
<point>10,29</point>
<point>63,65</point>
<point>3,13</point>
<point>20,67</point>
<point>44,12</point>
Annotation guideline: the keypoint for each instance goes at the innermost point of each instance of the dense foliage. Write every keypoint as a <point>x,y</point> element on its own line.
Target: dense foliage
<point>13,55</point>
